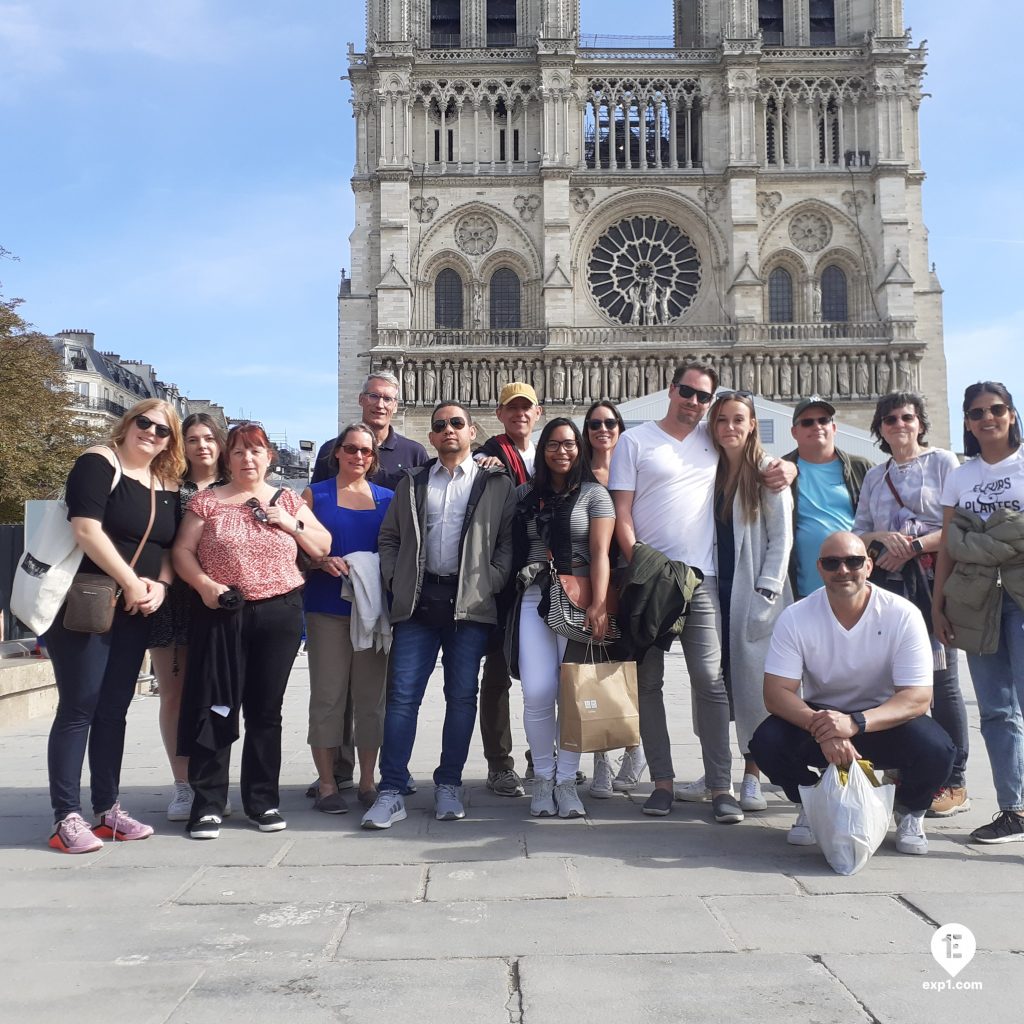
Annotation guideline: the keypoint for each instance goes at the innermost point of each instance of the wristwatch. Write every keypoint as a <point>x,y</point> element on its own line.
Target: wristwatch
<point>917,546</point>
<point>299,527</point>
<point>860,721</point>
<point>764,592</point>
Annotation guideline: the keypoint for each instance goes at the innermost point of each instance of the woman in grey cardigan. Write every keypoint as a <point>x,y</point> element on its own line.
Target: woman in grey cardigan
<point>754,535</point>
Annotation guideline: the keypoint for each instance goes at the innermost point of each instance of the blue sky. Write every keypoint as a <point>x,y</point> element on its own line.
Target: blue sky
<point>175,179</point>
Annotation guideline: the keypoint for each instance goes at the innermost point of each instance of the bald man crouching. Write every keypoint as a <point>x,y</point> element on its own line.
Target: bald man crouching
<point>849,675</point>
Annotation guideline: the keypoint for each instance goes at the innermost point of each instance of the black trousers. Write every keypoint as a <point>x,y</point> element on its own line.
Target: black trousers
<point>495,724</point>
<point>921,749</point>
<point>270,635</point>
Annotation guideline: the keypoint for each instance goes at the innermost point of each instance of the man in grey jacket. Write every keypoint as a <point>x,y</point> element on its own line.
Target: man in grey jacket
<point>445,554</point>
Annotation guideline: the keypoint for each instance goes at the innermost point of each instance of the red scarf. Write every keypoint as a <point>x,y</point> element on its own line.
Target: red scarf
<point>513,458</point>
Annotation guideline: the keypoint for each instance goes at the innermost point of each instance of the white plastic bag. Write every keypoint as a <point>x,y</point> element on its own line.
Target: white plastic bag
<point>848,821</point>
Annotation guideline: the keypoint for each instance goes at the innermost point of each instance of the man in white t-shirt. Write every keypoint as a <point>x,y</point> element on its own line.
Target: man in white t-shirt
<point>662,481</point>
<point>848,676</point>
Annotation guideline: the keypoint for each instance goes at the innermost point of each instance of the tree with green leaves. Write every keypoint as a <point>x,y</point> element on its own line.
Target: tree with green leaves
<point>38,437</point>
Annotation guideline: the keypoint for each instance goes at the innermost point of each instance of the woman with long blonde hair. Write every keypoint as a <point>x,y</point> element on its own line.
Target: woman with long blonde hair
<point>121,503</point>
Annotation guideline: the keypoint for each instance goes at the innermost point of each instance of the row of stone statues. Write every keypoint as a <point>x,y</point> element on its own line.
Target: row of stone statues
<point>578,380</point>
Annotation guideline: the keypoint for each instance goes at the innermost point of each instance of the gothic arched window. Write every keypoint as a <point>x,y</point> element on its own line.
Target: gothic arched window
<point>834,306</point>
<point>823,22</point>
<point>445,24</point>
<point>505,299</point>
<point>770,21</point>
<point>501,22</point>
<point>780,296</point>
<point>448,300</point>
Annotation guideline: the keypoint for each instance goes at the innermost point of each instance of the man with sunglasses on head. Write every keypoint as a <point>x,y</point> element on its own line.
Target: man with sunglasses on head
<point>826,491</point>
<point>849,676</point>
<point>445,554</point>
<point>662,480</point>
<point>378,403</point>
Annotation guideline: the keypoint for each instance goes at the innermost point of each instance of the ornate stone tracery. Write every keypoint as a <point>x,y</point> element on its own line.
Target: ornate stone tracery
<point>810,231</point>
<point>644,270</point>
<point>476,234</point>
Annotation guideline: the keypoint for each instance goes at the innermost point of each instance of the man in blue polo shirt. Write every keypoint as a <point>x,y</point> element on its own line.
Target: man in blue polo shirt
<point>825,492</point>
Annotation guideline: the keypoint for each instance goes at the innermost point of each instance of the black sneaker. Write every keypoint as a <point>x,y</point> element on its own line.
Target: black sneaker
<point>269,821</point>
<point>207,827</point>
<point>1005,827</point>
<point>659,803</point>
<point>505,783</point>
<point>313,790</point>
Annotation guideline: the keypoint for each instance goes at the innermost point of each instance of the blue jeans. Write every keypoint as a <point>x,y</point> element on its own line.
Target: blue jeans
<point>999,686</point>
<point>96,675</point>
<point>413,654</point>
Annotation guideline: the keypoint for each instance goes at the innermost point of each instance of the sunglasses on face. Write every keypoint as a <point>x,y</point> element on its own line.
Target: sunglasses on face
<point>998,410</point>
<point>257,512</point>
<point>733,394</point>
<point>354,449</point>
<point>685,391</point>
<point>457,423</point>
<point>852,562</point>
<point>162,430</point>
<point>608,424</point>
<point>374,396</point>
<point>906,417</point>
<point>553,446</point>
<point>815,421</point>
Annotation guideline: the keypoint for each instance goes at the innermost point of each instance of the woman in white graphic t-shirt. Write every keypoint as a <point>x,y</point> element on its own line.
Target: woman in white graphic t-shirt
<point>983,520</point>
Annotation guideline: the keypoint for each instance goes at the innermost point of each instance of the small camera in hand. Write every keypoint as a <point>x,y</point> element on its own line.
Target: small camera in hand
<point>231,600</point>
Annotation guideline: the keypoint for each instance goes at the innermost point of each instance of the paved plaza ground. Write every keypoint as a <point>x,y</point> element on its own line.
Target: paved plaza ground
<point>498,919</point>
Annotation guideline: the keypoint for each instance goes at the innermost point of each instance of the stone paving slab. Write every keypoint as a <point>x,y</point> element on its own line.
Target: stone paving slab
<point>890,987</point>
<point>519,927</point>
<point>1001,916</point>
<point>815,925</point>
<point>500,880</point>
<point>712,988</point>
<point>137,889</point>
<point>352,992</point>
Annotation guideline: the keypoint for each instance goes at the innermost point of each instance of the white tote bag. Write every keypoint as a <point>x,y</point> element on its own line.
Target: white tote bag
<point>849,821</point>
<point>49,563</point>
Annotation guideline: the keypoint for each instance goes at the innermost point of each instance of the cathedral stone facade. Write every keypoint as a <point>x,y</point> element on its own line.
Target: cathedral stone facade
<point>533,205</point>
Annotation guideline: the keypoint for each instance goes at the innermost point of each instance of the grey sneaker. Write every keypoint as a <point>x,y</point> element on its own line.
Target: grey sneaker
<point>601,784</point>
<point>543,803</point>
<point>751,797</point>
<point>630,770</point>
<point>725,809</point>
<point>448,803</point>
<point>180,807</point>
<point>910,837</point>
<point>693,792</point>
<point>388,808</point>
<point>567,800</point>
<point>505,783</point>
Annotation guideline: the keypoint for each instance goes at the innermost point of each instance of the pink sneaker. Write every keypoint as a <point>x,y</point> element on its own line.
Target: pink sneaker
<point>120,826</point>
<point>73,835</point>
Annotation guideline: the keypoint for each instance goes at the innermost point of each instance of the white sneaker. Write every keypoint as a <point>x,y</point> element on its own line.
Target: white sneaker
<point>180,807</point>
<point>630,770</point>
<point>693,792</point>
<point>601,783</point>
<point>751,798</point>
<point>542,805</point>
<point>910,837</point>
<point>800,833</point>
<point>568,800</point>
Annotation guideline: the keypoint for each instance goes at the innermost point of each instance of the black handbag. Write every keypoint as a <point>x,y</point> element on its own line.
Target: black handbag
<point>93,596</point>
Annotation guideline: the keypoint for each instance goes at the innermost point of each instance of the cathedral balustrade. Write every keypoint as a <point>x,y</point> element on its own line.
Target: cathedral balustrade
<point>575,378</point>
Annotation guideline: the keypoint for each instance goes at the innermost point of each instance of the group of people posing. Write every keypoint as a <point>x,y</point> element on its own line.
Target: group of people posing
<point>391,557</point>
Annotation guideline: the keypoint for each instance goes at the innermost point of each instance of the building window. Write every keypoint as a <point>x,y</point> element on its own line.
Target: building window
<point>448,300</point>
<point>445,24</point>
<point>449,148</point>
<point>777,145</point>
<point>502,153</point>
<point>780,296</point>
<point>769,21</point>
<point>823,23</point>
<point>501,22</point>
<point>834,306</point>
<point>505,299</point>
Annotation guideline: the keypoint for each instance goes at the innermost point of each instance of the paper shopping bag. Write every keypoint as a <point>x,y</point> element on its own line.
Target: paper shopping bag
<point>598,707</point>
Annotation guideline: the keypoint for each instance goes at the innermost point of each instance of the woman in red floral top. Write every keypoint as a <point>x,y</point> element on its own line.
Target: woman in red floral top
<point>237,548</point>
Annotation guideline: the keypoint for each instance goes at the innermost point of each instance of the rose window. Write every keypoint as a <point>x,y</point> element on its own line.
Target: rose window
<point>644,271</point>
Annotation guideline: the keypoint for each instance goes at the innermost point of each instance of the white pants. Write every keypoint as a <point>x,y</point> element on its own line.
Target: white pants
<point>540,657</point>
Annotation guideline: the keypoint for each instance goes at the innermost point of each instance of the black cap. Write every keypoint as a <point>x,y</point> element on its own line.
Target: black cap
<point>805,403</point>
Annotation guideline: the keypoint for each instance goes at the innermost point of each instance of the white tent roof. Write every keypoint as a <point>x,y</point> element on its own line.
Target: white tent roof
<point>774,421</point>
